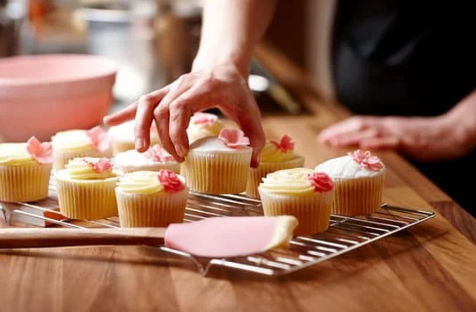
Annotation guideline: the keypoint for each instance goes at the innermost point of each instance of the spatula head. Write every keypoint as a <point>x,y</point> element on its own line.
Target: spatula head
<point>231,236</point>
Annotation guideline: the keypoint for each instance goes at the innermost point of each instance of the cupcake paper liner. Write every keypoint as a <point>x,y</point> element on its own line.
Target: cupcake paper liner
<point>360,196</point>
<point>312,211</point>
<point>87,199</point>
<point>24,183</point>
<point>256,175</point>
<point>151,210</point>
<point>61,157</point>
<point>217,173</point>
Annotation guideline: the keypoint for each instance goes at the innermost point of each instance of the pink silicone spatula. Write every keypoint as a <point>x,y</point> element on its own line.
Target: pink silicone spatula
<point>212,237</point>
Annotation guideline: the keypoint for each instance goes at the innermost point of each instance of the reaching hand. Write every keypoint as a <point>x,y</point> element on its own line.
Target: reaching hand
<point>172,106</point>
<point>421,138</point>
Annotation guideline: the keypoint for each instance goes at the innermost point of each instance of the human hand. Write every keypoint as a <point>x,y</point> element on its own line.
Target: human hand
<point>171,107</point>
<point>421,138</point>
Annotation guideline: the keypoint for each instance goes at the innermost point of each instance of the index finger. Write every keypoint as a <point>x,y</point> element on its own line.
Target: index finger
<point>130,111</point>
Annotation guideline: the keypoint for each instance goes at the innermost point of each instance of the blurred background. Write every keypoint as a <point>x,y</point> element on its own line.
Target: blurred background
<point>154,41</point>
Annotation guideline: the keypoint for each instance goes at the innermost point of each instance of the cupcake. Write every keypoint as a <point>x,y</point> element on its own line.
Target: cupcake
<point>203,125</point>
<point>358,182</point>
<point>25,170</point>
<point>300,192</point>
<point>86,188</point>
<point>274,156</point>
<point>151,198</point>
<point>79,143</point>
<point>154,159</point>
<point>123,137</point>
<point>219,164</point>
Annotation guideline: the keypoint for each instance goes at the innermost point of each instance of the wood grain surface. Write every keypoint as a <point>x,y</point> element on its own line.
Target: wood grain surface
<point>429,267</point>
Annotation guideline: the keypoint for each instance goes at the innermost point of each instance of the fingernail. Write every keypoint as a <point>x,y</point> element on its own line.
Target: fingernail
<point>181,151</point>
<point>140,144</point>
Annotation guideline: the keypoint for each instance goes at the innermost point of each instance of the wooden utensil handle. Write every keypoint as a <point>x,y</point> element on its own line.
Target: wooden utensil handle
<point>34,237</point>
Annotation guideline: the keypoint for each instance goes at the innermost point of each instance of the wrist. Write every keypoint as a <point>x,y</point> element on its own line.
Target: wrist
<point>205,61</point>
<point>462,124</point>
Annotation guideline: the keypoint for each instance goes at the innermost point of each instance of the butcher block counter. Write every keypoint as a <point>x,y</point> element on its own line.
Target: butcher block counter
<point>428,267</point>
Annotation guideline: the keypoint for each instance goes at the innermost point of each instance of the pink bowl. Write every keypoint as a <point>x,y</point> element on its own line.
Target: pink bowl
<point>43,94</point>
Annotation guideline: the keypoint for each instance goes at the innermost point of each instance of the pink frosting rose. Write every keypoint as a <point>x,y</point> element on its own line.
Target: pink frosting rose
<point>99,139</point>
<point>170,181</point>
<point>321,181</point>
<point>42,152</point>
<point>233,138</point>
<point>285,145</point>
<point>366,160</point>
<point>103,164</point>
<point>158,154</point>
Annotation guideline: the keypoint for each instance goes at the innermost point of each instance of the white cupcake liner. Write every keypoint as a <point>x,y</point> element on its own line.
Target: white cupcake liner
<point>24,183</point>
<point>359,196</point>
<point>225,173</point>
<point>256,175</point>
<point>151,210</point>
<point>87,199</point>
<point>173,166</point>
<point>61,157</point>
<point>312,211</point>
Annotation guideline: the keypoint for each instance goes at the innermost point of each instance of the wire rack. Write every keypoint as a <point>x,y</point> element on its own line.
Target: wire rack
<point>344,234</point>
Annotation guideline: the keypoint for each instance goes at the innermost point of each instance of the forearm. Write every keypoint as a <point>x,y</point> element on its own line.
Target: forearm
<point>230,31</point>
<point>463,117</point>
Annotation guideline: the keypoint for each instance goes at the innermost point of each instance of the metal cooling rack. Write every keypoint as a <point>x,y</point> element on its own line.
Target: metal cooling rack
<point>343,235</point>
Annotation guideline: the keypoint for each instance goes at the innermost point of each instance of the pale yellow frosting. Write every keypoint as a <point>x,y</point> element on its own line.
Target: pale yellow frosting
<point>140,182</point>
<point>16,154</point>
<point>271,153</point>
<point>72,140</point>
<point>198,131</point>
<point>80,169</point>
<point>289,181</point>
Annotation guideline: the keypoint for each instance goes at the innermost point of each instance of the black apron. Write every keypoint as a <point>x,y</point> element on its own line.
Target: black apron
<point>408,58</point>
<point>404,57</point>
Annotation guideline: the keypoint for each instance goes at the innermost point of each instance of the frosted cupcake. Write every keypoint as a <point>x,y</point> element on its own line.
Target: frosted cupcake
<point>154,159</point>
<point>85,188</point>
<point>123,138</point>
<point>25,170</point>
<point>218,165</point>
<point>274,156</point>
<point>79,143</point>
<point>203,125</point>
<point>300,192</point>
<point>358,180</point>
<point>151,198</point>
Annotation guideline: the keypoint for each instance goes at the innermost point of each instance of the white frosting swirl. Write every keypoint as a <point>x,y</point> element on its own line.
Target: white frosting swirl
<point>346,167</point>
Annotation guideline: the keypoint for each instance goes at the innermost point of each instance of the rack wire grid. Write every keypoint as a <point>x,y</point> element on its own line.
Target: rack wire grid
<point>344,233</point>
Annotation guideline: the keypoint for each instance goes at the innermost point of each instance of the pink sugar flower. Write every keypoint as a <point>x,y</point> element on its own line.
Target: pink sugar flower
<point>42,152</point>
<point>366,160</point>
<point>170,181</point>
<point>99,138</point>
<point>103,164</point>
<point>285,145</point>
<point>204,118</point>
<point>158,154</point>
<point>233,138</point>
<point>321,181</point>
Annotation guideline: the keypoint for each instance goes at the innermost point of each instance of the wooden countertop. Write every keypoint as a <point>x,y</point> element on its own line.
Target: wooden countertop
<point>429,267</point>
